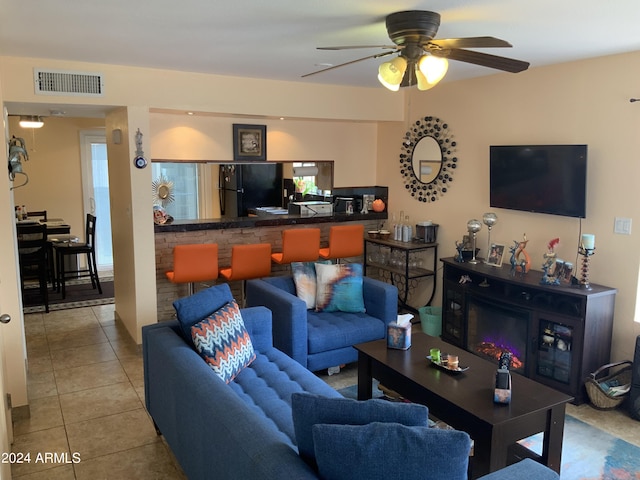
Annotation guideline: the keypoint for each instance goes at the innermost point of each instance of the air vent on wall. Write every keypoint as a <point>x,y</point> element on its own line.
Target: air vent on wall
<point>60,82</point>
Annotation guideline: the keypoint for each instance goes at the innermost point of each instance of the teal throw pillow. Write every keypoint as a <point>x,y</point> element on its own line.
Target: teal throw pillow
<point>309,409</point>
<point>390,450</point>
<point>339,288</point>
<point>224,342</point>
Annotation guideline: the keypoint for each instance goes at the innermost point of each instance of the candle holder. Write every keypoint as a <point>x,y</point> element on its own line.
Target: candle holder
<point>474,226</point>
<point>584,273</point>
<point>489,219</point>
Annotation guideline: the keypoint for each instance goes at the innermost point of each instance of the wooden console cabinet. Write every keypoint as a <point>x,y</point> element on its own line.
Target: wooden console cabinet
<point>567,329</point>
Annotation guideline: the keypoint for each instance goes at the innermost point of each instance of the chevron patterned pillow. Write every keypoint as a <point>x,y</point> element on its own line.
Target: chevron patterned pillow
<point>223,341</point>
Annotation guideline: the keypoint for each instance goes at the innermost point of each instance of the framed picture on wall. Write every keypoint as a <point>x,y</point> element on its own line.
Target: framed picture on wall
<point>249,142</point>
<point>495,255</point>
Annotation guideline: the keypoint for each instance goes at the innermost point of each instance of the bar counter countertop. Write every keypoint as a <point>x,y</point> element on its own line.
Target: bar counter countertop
<point>266,221</point>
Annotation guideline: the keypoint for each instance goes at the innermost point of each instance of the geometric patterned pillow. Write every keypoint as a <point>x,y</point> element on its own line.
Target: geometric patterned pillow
<point>339,288</point>
<point>223,341</point>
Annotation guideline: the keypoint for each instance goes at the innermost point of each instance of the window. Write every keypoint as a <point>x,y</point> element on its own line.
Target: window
<point>185,178</point>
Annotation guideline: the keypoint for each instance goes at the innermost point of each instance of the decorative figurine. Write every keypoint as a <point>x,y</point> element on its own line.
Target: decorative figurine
<point>523,265</point>
<point>512,260</point>
<point>459,246</point>
<point>549,265</point>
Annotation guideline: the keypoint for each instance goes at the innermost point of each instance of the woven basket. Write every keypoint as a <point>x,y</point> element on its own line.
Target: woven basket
<point>597,386</point>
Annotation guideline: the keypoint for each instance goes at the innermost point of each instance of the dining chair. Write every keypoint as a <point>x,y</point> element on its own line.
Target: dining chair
<point>88,248</point>
<point>40,214</point>
<point>32,254</point>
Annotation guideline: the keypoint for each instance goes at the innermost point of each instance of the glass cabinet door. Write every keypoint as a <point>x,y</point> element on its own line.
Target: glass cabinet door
<point>555,345</point>
<point>453,314</point>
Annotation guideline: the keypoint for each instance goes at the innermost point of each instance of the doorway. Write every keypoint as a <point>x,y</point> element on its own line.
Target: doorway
<point>95,189</point>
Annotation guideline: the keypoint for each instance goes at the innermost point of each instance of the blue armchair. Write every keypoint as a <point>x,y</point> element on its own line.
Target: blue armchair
<point>319,340</point>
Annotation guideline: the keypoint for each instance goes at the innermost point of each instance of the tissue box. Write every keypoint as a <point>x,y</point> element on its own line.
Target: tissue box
<point>399,335</point>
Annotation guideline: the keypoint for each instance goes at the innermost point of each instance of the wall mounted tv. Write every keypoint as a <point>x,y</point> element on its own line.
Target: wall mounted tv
<point>539,178</point>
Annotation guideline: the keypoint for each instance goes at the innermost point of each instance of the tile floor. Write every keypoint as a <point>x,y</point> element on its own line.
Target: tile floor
<point>86,395</point>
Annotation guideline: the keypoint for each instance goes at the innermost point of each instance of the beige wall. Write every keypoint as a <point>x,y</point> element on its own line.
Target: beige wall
<point>352,145</point>
<point>55,180</point>
<point>167,89</point>
<point>581,102</point>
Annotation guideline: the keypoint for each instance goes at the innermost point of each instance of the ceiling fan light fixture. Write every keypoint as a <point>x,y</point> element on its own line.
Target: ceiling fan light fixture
<point>31,121</point>
<point>421,81</point>
<point>390,73</point>
<point>433,68</point>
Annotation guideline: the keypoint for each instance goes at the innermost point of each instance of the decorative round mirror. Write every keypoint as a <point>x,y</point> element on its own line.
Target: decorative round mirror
<point>162,191</point>
<point>427,159</point>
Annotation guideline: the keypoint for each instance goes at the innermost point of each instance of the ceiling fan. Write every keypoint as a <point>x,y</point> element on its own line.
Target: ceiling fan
<point>422,59</point>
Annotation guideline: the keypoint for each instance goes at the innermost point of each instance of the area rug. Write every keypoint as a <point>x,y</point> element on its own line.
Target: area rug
<point>79,294</point>
<point>588,453</point>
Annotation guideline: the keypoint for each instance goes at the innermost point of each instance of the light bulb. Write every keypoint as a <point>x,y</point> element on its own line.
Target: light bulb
<point>433,68</point>
<point>390,73</point>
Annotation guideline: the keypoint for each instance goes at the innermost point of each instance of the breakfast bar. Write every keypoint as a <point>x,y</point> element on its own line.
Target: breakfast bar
<point>227,232</point>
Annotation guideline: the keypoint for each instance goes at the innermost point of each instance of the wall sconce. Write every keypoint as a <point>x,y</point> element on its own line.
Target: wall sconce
<point>31,121</point>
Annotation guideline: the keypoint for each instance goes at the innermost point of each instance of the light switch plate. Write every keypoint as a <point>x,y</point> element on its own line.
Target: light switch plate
<point>622,226</point>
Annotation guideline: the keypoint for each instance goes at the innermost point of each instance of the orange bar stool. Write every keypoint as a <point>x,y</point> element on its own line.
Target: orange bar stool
<point>344,241</point>
<point>194,263</point>
<point>247,262</point>
<point>298,245</point>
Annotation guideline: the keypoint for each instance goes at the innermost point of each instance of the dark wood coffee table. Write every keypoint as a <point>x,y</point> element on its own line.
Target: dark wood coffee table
<point>465,400</point>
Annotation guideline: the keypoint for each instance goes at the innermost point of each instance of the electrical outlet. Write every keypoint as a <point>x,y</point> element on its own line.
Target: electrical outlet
<point>622,226</point>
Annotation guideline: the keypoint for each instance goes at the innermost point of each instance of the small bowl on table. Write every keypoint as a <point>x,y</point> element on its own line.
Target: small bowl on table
<point>374,233</point>
<point>384,234</point>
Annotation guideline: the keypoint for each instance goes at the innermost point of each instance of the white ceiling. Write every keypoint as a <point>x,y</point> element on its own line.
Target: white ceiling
<point>277,39</point>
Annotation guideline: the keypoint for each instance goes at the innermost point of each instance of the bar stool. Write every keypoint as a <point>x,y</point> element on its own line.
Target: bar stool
<point>194,263</point>
<point>344,241</point>
<point>298,245</point>
<point>247,262</point>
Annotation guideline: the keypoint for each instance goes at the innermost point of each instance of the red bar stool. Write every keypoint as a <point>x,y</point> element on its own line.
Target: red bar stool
<point>194,263</point>
<point>247,262</point>
<point>298,245</point>
<point>344,241</point>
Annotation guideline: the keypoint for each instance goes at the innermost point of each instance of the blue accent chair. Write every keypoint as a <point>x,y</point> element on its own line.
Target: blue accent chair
<point>319,340</point>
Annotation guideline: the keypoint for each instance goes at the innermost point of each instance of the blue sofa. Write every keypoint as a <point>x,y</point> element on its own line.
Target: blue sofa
<point>243,429</point>
<point>319,340</point>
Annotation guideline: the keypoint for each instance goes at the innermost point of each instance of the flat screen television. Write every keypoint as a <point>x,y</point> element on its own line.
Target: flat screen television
<point>539,178</point>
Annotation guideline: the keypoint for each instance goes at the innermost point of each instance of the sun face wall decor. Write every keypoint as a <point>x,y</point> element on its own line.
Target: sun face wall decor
<point>427,159</point>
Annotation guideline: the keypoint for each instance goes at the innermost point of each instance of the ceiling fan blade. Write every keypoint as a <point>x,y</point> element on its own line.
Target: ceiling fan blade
<point>377,55</point>
<point>350,47</point>
<point>484,59</point>
<point>470,42</point>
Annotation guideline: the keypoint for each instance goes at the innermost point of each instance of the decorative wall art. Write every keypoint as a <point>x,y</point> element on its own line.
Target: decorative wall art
<point>427,159</point>
<point>249,142</point>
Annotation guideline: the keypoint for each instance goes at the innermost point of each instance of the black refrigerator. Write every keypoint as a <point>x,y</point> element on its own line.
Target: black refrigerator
<point>245,186</point>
